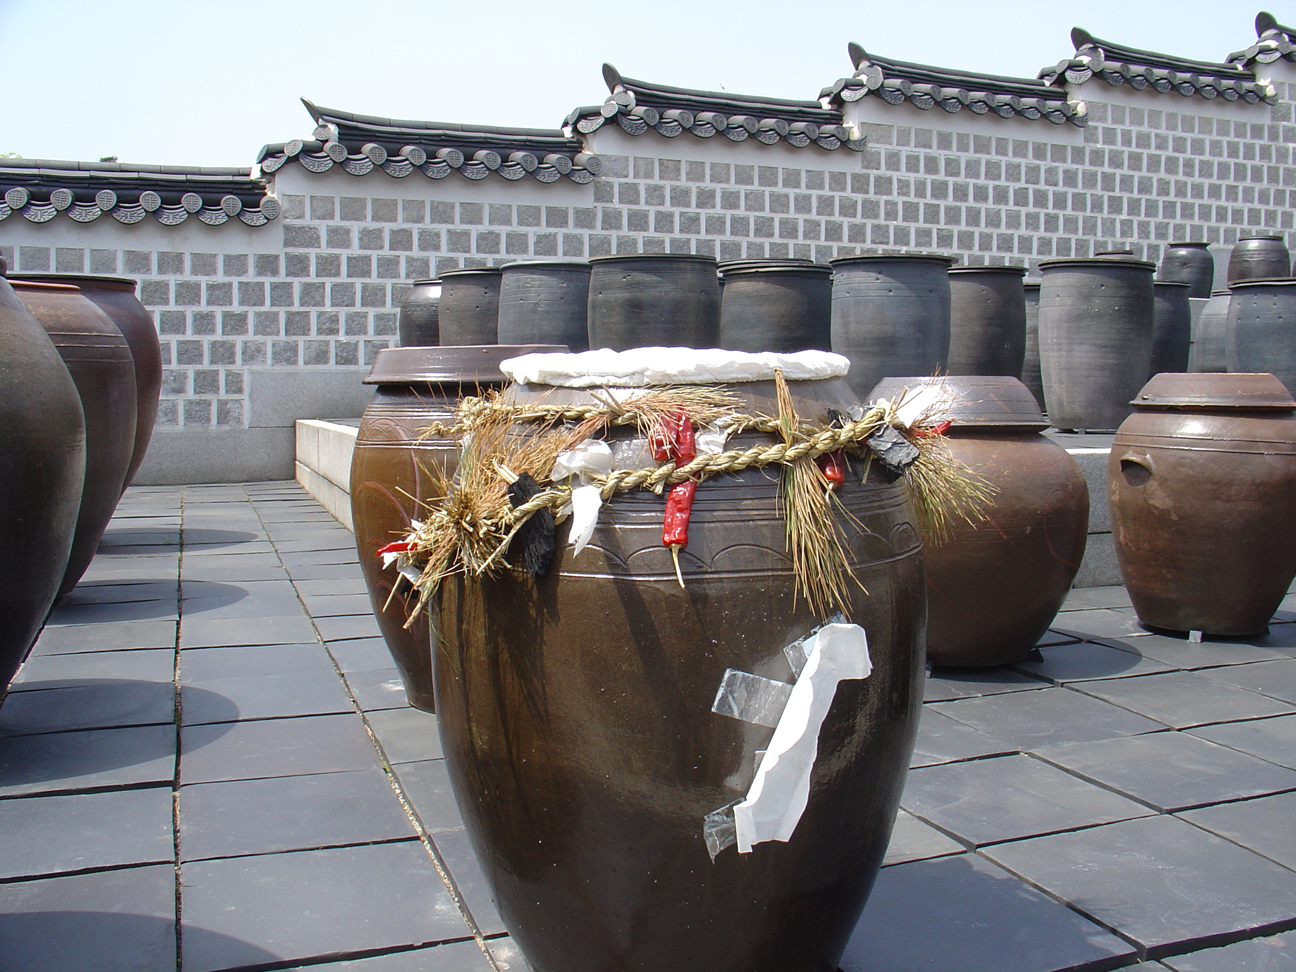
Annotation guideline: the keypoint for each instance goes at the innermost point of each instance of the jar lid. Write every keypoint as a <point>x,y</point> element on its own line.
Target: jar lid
<point>1007,268</point>
<point>76,279</point>
<point>1112,261</point>
<point>547,264</point>
<point>866,258</point>
<point>655,258</point>
<point>775,267</point>
<point>468,271</point>
<point>462,364</point>
<point>1212,391</point>
<point>1189,243</point>
<point>1260,236</point>
<point>1262,282</point>
<point>968,401</point>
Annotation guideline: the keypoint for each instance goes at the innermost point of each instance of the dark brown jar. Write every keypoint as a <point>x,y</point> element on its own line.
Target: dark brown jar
<point>468,312</point>
<point>575,712</point>
<point>115,296</point>
<point>773,305</point>
<point>891,315</point>
<point>419,322</point>
<point>1095,334</point>
<point>1261,328</point>
<point>545,302</point>
<point>1202,488</point>
<point>1259,257</point>
<point>1189,263</point>
<point>639,300</point>
<point>100,363</point>
<point>392,474</point>
<point>994,587</point>
<point>987,321</point>
<point>42,468</point>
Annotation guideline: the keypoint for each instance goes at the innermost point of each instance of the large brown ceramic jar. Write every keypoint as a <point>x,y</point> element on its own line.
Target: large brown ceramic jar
<point>115,296</point>
<point>100,362</point>
<point>394,470</point>
<point>994,587</point>
<point>575,712</point>
<point>42,468</point>
<point>987,321</point>
<point>1259,257</point>
<point>774,305</point>
<point>891,315</point>
<point>468,311</point>
<point>1202,488</point>
<point>1095,334</point>
<point>641,300</point>
<point>1261,328</point>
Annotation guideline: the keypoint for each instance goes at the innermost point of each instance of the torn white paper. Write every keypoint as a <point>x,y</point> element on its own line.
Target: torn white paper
<point>641,367</point>
<point>586,461</point>
<point>934,399</point>
<point>778,795</point>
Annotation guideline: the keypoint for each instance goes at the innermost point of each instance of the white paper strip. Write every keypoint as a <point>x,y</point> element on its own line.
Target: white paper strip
<point>640,367</point>
<point>778,795</point>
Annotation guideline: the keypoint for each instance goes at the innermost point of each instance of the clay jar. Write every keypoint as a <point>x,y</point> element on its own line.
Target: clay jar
<point>1261,328</point>
<point>1258,258</point>
<point>651,299</point>
<point>100,363</point>
<point>575,716</point>
<point>987,321</point>
<point>42,467</point>
<point>1202,488</point>
<point>776,306</point>
<point>891,316</point>
<point>1189,263</point>
<point>468,312</point>
<point>1171,327</point>
<point>393,468</point>
<point>1095,334</point>
<point>545,302</point>
<point>1209,352</point>
<point>419,322</point>
<point>1031,360</point>
<point>994,587</point>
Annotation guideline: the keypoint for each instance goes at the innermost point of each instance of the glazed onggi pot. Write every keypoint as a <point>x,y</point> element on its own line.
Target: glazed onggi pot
<point>1171,327</point>
<point>994,587</point>
<point>1261,328</point>
<point>575,713</point>
<point>1202,488</point>
<point>42,468</point>
<point>1259,257</point>
<point>1031,361</point>
<point>392,474</point>
<point>100,363</point>
<point>653,299</point>
<point>115,296</point>
<point>775,305</point>
<point>545,302</point>
<point>1209,352</point>
<point>419,323</point>
<point>987,321</point>
<point>468,309</point>
<point>1189,263</point>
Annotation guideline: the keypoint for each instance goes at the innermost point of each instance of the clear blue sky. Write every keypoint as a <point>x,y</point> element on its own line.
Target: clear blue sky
<point>190,82</point>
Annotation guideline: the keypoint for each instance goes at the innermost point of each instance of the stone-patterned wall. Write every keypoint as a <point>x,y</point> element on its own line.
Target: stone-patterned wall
<point>263,325</point>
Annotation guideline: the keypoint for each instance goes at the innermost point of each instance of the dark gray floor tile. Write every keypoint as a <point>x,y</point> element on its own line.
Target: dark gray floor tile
<point>47,835</point>
<point>334,586</point>
<point>1276,679</point>
<point>327,810</point>
<point>1280,637</point>
<point>160,608</point>
<point>1171,770</point>
<point>1028,720</point>
<point>1271,739</point>
<point>320,572</point>
<point>1184,699</point>
<point>1050,638</point>
<point>274,747</point>
<point>111,636</point>
<point>945,740</point>
<point>991,800</point>
<point>332,546</point>
<point>1181,653</point>
<point>1088,598</point>
<point>378,689</point>
<point>1098,623</point>
<point>337,605</point>
<point>200,633</point>
<point>318,903</point>
<point>349,626</point>
<point>1158,880</point>
<point>451,957</point>
<point>406,734</point>
<point>227,574</point>
<point>114,592</point>
<point>198,665</point>
<point>285,605</point>
<point>295,560</point>
<point>361,654</point>
<point>1272,953</point>
<point>1085,661</point>
<point>84,760</point>
<point>199,539</point>
<point>139,665</point>
<point>109,921</point>
<point>913,840</point>
<point>508,957</point>
<point>427,787</point>
<point>86,704</point>
<point>1266,825</point>
<point>263,697</point>
<point>974,916</point>
<point>466,872</point>
<point>968,683</point>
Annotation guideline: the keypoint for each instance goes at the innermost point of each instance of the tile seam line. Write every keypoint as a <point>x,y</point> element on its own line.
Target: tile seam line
<point>1199,725</point>
<point>1226,837</point>
<point>425,838</point>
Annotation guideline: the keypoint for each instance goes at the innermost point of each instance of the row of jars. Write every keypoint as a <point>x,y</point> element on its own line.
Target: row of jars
<point>80,376</point>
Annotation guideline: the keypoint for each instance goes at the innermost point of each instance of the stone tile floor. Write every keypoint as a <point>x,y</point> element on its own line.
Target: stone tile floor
<point>207,764</point>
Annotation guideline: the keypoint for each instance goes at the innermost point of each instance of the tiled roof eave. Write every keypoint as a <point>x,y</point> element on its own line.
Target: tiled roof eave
<point>39,190</point>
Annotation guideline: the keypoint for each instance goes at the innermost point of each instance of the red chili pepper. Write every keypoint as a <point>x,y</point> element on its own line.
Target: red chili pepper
<point>400,546</point>
<point>679,504</point>
<point>673,439</point>
<point>939,429</point>
<point>833,466</point>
